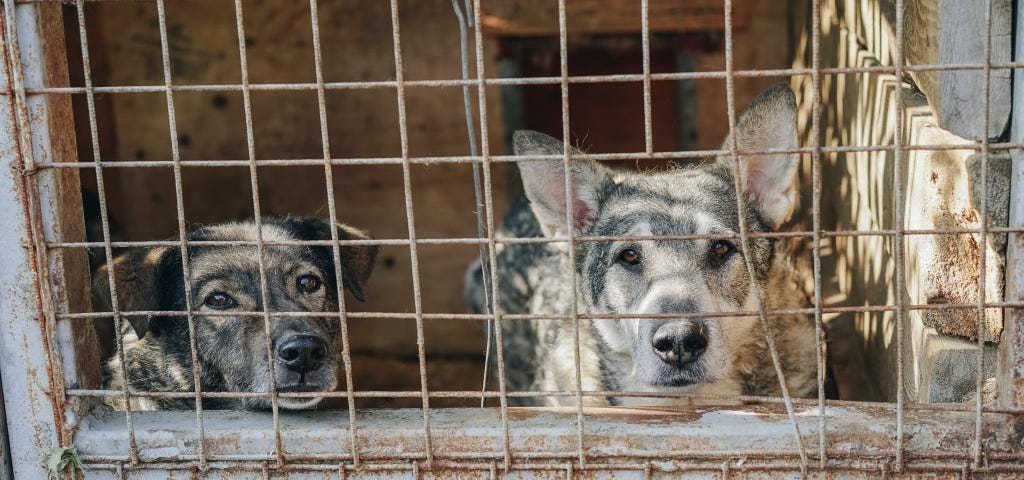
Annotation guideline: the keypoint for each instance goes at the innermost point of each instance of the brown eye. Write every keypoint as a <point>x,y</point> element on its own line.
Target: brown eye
<point>219,301</point>
<point>630,257</point>
<point>722,248</point>
<point>308,283</point>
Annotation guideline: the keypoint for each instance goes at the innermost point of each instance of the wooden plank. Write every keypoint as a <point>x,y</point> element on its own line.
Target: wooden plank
<point>540,17</point>
<point>951,32</point>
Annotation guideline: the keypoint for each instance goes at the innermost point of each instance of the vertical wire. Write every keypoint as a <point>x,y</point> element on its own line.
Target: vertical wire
<point>172,123</point>
<point>133,446</point>
<point>491,250</point>
<point>257,220</point>
<point>816,219</point>
<point>745,238</point>
<point>325,141</point>
<point>899,226</point>
<point>982,238</point>
<point>471,133</point>
<point>563,57</point>
<point>411,221</point>
<point>645,39</point>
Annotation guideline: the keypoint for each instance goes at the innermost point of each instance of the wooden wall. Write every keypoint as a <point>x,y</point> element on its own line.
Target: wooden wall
<point>357,46</point>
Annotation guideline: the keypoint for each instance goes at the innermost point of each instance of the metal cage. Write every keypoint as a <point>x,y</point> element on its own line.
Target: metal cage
<point>46,408</point>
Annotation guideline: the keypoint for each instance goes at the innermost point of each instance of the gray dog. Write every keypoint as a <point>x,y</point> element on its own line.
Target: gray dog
<point>724,355</point>
<point>232,349</point>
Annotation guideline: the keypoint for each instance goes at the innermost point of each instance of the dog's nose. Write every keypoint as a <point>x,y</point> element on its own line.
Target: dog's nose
<point>679,347</point>
<point>302,353</point>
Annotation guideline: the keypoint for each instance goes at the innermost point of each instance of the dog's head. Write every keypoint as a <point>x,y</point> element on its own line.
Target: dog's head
<point>693,276</point>
<point>233,349</point>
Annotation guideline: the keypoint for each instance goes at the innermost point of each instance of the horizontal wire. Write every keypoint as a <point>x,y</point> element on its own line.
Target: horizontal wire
<point>469,159</point>
<point>552,316</point>
<point>512,81</point>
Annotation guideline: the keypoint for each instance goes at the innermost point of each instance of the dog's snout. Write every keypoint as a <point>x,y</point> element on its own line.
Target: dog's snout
<point>302,353</point>
<point>680,345</point>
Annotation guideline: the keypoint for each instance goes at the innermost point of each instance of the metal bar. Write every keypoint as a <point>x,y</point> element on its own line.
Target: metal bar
<point>503,81</point>
<point>33,408</point>
<point>983,238</point>
<point>675,155</point>
<point>555,316</point>
<point>258,222</point>
<point>531,240</point>
<point>492,254</point>
<point>741,205</point>
<point>645,39</point>
<point>898,206</point>
<point>179,203</point>
<point>410,219</point>
<point>563,60</point>
<point>105,224</point>
<point>325,141</point>
<point>819,330</point>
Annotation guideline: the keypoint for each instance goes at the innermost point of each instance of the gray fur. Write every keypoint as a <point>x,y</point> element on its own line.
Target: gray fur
<point>232,350</point>
<point>683,276</point>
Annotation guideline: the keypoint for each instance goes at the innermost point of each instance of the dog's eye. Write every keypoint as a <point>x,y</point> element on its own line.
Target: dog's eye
<point>629,256</point>
<point>308,283</point>
<point>219,301</point>
<point>722,248</point>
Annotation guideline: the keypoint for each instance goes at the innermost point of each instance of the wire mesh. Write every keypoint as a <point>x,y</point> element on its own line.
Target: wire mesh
<point>581,458</point>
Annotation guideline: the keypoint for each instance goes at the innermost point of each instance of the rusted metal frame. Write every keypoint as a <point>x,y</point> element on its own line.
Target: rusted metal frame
<point>1010,368</point>
<point>898,220</point>
<point>819,330</point>
<point>346,350</point>
<point>612,78</point>
<point>741,207</point>
<point>479,206</point>
<point>653,439</point>
<point>410,219</point>
<point>31,368</point>
<point>492,252</point>
<point>258,221</point>
<point>179,203</point>
<point>105,225</point>
<point>979,373</point>
<point>676,155</point>
<point>669,468</point>
<point>563,60</point>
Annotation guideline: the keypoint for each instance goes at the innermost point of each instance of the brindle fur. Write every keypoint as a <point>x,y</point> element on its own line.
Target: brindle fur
<point>675,277</point>
<point>232,350</point>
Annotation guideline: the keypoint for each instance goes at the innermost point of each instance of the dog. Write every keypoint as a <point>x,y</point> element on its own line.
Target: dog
<point>709,357</point>
<point>232,349</point>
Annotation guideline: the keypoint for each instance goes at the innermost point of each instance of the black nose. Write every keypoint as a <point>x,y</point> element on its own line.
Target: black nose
<point>679,347</point>
<point>302,353</point>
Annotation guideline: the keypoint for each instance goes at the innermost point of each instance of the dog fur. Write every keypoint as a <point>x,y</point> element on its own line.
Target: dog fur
<point>232,350</point>
<point>683,276</point>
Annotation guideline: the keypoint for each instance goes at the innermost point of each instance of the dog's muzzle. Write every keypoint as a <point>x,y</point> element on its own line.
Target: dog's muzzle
<point>679,345</point>
<point>302,366</point>
<point>302,353</point>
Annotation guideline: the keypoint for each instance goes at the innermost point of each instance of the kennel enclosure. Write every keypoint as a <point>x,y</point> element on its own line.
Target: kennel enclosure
<point>874,139</point>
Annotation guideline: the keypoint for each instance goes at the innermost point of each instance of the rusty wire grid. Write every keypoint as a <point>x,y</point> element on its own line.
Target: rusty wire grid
<point>355,453</point>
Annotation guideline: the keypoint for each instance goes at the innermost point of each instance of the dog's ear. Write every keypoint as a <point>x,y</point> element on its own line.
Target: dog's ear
<point>357,261</point>
<point>147,280</point>
<point>769,181</point>
<point>544,182</point>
